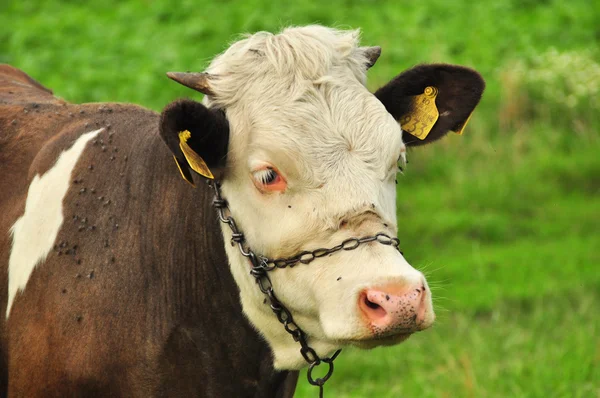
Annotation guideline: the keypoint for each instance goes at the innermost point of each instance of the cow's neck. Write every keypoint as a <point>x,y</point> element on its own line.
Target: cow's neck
<point>210,340</point>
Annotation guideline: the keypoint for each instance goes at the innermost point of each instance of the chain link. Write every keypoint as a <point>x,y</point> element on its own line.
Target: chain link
<point>262,265</point>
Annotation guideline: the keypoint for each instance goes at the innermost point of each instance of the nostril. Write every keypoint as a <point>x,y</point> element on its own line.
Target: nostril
<point>371,304</point>
<point>371,309</point>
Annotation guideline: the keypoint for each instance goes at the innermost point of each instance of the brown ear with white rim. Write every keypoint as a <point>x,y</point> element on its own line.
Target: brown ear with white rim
<point>430,100</point>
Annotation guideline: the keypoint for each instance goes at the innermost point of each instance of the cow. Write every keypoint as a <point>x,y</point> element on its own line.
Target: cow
<point>124,273</point>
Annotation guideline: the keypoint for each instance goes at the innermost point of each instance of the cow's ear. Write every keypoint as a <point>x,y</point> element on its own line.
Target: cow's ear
<point>430,100</point>
<point>197,136</point>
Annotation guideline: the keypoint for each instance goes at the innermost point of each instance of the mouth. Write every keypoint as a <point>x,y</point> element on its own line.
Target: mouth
<point>376,341</point>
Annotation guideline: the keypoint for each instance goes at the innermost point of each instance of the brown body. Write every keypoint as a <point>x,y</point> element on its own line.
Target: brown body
<point>136,298</point>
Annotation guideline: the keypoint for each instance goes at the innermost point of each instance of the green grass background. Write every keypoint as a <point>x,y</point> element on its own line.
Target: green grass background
<point>504,219</point>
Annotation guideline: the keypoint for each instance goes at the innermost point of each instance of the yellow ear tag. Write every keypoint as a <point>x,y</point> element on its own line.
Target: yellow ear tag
<point>183,175</point>
<point>461,127</point>
<point>194,160</point>
<point>424,114</point>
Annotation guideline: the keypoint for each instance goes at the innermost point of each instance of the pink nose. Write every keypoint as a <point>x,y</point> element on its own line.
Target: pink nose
<point>395,308</point>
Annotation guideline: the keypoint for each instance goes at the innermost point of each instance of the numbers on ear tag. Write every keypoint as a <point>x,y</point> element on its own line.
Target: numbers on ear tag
<point>423,116</point>
<point>194,160</point>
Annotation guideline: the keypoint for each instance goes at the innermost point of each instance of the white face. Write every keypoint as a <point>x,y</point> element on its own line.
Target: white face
<point>308,167</point>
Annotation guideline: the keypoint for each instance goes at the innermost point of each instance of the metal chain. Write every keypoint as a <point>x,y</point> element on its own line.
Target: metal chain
<point>306,256</point>
<point>261,265</point>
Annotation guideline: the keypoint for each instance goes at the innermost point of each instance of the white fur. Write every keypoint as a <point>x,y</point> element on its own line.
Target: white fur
<point>298,101</point>
<point>35,231</point>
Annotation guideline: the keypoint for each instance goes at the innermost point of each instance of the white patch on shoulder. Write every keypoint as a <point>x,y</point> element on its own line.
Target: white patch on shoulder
<point>35,231</point>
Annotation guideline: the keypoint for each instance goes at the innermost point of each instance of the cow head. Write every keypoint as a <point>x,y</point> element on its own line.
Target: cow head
<point>308,157</point>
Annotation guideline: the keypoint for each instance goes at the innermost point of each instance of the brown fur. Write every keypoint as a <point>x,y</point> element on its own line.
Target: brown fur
<point>136,298</point>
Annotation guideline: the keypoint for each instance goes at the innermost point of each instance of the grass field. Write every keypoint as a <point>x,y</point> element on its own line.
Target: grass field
<point>504,219</point>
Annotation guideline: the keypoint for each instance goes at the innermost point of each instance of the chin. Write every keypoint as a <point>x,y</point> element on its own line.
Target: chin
<point>372,342</point>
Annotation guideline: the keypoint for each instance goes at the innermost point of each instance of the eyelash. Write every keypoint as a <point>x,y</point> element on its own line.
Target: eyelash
<point>269,179</point>
<point>266,176</point>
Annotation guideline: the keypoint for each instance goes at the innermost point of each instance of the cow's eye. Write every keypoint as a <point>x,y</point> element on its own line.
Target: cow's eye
<point>268,179</point>
<point>266,176</point>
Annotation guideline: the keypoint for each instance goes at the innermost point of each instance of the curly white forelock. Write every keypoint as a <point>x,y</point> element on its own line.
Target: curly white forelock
<point>286,63</point>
